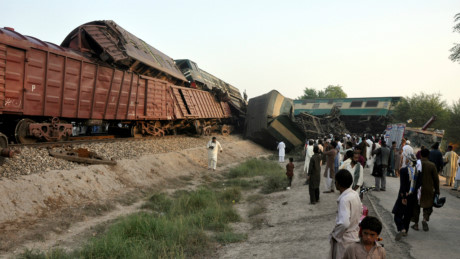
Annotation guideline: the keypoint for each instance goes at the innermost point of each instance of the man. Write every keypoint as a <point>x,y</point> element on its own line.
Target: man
<point>356,169</point>
<point>428,180</point>
<point>213,147</point>
<point>281,153</point>
<point>391,164</point>
<point>308,154</point>
<point>349,211</point>
<point>380,166</point>
<point>329,172</point>
<point>436,157</point>
<point>451,167</point>
<point>314,176</point>
<point>361,159</point>
<point>407,150</point>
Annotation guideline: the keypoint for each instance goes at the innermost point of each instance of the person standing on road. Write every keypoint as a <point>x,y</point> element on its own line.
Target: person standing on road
<point>349,211</point>
<point>308,155</point>
<point>457,177</point>
<point>213,147</point>
<point>391,164</point>
<point>290,171</point>
<point>314,176</point>
<point>380,166</point>
<point>356,170</point>
<point>329,172</point>
<point>451,167</point>
<point>281,153</point>
<point>428,181</point>
<point>404,205</point>
<point>436,157</point>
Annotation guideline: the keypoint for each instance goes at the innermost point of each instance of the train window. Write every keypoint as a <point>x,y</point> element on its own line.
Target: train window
<point>316,106</point>
<point>338,105</point>
<point>356,104</point>
<point>330,101</point>
<point>373,103</point>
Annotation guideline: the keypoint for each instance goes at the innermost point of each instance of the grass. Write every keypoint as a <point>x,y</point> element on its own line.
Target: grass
<point>172,227</point>
<point>185,224</point>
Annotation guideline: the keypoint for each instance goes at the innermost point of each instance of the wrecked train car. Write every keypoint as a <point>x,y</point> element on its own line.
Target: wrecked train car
<point>360,115</point>
<point>224,91</point>
<point>45,90</point>
<point>112,45</point>
<point>270,120</point>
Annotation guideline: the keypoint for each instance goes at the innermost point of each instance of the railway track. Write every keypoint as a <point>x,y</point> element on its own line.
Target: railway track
<point>89,140</point>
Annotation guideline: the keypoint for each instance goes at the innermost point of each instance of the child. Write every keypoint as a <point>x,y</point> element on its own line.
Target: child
<point>290,172</point>
<point>367,247</point>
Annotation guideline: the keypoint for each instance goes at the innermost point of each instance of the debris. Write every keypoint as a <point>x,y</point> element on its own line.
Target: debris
<point>82,155</point>
<point>315,127</point>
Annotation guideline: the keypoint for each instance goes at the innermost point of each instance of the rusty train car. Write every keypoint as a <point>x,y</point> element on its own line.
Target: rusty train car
<point>46,89</point>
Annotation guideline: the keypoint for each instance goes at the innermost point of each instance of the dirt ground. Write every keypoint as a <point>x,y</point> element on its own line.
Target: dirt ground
<point>63,208</point>
<point>292,228</point>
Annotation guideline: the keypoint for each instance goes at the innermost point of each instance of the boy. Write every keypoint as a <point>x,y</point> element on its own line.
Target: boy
<point>290,172</point>
<point>367,247</point>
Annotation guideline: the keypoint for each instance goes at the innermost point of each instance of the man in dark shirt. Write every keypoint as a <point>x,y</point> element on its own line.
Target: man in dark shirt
<point>436,157</point>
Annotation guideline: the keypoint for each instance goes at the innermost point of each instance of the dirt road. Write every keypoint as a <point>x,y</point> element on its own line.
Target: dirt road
<point>295,229</point>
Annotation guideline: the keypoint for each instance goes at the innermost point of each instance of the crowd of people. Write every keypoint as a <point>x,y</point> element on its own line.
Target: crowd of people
<point>345,159</point>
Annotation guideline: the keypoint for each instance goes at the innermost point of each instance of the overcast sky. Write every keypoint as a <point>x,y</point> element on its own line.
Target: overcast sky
<point>371,48</point>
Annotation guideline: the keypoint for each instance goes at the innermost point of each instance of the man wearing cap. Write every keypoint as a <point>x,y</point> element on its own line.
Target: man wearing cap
<point>213,147</point>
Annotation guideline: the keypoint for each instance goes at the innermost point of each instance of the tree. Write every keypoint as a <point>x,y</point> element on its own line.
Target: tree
<point>420,107</point>
<point>331,91</point>
<point>453,127</point>
<point>334,91</point>
<point>455,56</point>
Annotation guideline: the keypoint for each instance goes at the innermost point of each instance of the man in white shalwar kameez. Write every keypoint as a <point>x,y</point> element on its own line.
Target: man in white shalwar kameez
<point>349,211</point>
<point>281,152</point>
<point>308,154</point>
<point>213,147</point>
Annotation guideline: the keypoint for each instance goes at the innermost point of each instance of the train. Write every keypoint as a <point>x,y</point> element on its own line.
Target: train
<point>101,79</point>
<point>373,112</point>
<point>270,119</point>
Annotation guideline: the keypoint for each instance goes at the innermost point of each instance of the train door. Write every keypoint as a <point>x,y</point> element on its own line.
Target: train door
<point>14,79</point>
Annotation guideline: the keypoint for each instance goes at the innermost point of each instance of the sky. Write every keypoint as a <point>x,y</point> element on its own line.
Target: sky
<point>371,48</point>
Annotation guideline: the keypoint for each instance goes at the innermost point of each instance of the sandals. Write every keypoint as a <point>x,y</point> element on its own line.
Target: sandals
<point>425,226</point>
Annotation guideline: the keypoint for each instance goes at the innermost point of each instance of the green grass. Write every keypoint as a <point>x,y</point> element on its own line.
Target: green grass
<point>175,228</point>
<point>179,225</point>
<point>273,174</point>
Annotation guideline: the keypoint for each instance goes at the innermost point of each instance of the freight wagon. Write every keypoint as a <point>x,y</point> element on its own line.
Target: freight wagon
<point>44,88</point>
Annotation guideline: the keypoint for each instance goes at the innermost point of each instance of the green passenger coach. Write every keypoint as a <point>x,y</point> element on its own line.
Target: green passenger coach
<point>374,112</point>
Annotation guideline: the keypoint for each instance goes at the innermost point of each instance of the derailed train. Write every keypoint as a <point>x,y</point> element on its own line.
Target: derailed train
<point>102,77</point>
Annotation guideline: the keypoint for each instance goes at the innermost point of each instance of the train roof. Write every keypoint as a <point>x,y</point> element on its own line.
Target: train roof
<point>336,100</point>
<point>115,45</point>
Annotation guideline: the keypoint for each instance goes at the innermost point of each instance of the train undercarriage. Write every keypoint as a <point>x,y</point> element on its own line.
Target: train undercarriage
<point>32,130</point>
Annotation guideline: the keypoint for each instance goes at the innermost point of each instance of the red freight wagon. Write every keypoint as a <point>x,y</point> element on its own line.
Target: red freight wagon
<point>40,81</point>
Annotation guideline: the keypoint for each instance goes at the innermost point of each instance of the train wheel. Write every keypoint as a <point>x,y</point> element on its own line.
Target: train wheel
<point>65,137</point>
<point>22,132</point>
<point>207,131</point>
<point>136,132</point>
<point>225,130</point>
<point>3,141</point>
